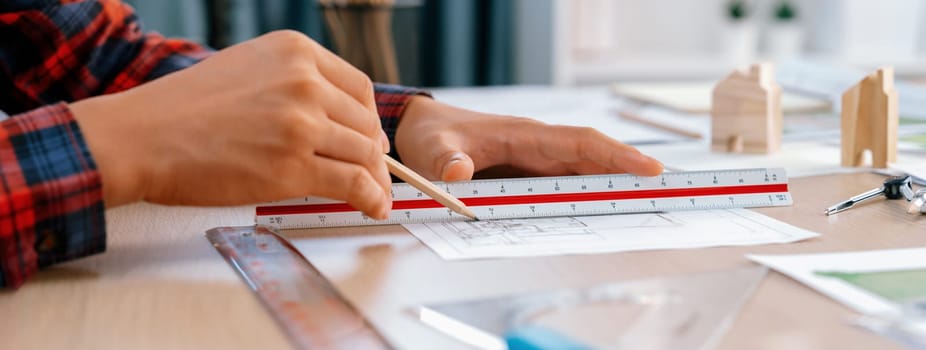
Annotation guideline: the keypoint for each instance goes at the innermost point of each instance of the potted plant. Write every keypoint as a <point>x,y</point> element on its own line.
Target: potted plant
<point>785,36</point>
<point>740,33</point>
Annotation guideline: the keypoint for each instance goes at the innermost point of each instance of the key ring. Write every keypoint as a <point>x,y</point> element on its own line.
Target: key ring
<point>895,187</point>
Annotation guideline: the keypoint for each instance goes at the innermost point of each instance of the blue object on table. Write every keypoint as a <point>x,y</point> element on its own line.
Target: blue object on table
<point>540,338</point>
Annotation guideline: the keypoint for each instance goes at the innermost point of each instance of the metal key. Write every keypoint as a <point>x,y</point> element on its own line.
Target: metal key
<point>895,187</point>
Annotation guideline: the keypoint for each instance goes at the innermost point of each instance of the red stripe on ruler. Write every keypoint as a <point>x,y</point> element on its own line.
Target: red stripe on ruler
<point>533,199</point>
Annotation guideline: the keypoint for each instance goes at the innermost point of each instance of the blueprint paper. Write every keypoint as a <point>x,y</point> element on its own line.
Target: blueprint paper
<point>817,270</point>
<point>603,234</point>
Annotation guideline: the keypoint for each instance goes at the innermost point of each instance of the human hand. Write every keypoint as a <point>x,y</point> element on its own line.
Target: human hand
<point>272,118</point>
<point>446,143</point>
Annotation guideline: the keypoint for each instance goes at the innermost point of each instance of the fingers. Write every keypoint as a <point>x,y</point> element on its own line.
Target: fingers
<point>351,183</point>
<point>341,143</point>
<point>587,168</point>
<point>355,141</point>
<point>585,145</point>
<point>345,110</point>
<point>346,77</point>
<point>456,166</point>
<point>440,157</point>
<point>589,145</point>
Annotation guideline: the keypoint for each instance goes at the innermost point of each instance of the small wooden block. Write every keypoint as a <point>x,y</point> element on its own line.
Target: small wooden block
<point>870,120</point>
<point>746,112</point>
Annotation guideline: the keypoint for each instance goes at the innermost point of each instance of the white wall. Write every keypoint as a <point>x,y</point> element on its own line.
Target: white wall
<point>594,41</point>
<point>533,40</point>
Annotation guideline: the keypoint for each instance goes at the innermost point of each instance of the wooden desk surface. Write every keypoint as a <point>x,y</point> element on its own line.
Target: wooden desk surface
<point>161,285</point>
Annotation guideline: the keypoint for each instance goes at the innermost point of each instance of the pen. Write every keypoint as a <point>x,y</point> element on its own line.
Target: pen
<point>425,186</point>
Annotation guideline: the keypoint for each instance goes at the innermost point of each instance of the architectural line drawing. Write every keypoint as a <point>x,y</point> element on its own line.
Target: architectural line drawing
<point>542,230</point>
<point>603,233</point>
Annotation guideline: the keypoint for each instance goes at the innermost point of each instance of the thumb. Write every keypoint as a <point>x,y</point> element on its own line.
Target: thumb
<point>455,166</point>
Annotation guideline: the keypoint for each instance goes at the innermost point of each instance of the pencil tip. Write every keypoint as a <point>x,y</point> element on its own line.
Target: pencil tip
<point>470,214</point>
<point>467,212</point>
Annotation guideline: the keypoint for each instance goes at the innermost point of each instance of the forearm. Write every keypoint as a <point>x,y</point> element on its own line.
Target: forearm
<point>51,202</point>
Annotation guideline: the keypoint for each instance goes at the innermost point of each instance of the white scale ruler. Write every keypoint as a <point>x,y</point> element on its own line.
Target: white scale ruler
<point>550,196</point>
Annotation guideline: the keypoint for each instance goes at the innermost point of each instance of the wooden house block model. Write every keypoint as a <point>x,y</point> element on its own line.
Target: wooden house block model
<point>870,120</point>
<point>746,112</point>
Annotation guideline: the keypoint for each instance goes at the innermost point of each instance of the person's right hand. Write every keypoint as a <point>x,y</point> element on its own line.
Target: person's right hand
<point>272,118</point>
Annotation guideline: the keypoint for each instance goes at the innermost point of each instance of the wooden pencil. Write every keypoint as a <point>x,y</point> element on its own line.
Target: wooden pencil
<point>428,188</point>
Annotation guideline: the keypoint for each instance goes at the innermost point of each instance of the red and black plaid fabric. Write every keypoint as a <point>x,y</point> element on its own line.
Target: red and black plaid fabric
<point>53,53</point>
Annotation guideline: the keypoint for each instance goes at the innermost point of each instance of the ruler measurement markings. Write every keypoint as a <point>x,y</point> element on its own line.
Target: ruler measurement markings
<point>304,225</point>
<point>553,196</point>
<point>352,221</point>
<point>572,197</point>
<point>553,209</point>
<point>401,190</point>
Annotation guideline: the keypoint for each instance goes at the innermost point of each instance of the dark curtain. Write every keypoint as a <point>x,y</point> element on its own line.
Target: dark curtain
<point>466,42</point>
<point>438,42</point>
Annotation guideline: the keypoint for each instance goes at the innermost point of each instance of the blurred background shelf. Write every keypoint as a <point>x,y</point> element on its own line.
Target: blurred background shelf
<point>583,42</point>
<point>702,66</point>
<point>648,67</point>
<point>595,41</point>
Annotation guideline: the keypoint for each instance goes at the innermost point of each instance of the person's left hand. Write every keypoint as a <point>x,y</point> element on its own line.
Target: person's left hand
<point>446,143</point>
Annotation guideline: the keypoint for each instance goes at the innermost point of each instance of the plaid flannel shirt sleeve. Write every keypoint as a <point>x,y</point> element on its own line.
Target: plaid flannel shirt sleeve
<point>391,101</point>
<point>55,52</point>
<point>52,53</point>
<point>51,206</point>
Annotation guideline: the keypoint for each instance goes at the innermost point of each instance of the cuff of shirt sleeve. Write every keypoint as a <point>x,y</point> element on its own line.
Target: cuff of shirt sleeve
<point>391,101</point>
<point>51,208</point>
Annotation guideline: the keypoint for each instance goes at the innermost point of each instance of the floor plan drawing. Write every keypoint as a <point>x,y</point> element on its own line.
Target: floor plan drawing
<point>602,234</point>
<point>545,230</point>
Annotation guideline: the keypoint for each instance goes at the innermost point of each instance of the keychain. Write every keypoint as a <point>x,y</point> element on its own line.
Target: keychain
<point>895,187</point>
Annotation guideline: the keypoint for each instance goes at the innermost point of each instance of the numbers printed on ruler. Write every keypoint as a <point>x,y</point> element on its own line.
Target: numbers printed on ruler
<point>553,196</point>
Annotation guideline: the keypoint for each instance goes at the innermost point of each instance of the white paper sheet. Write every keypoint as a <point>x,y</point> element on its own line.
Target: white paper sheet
<point>804,268</point>
<point>912,168</point>
<point>695,96</point>
<point>798,158</point>
<point>586,106</point>
<point>602,234</point>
